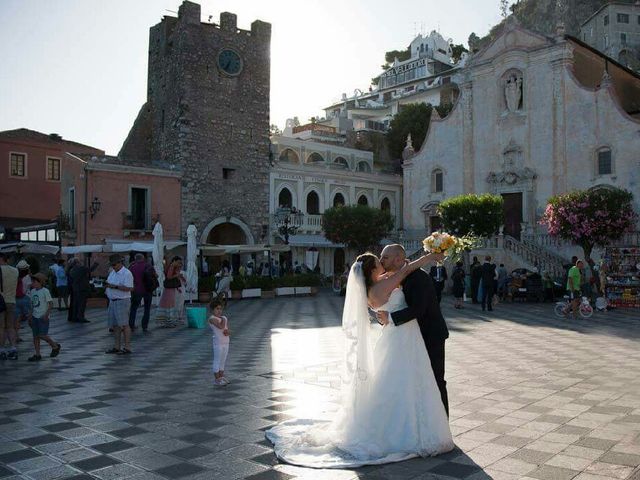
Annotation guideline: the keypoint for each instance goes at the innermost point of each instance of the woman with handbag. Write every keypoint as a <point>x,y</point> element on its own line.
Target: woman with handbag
<point>167,312</point>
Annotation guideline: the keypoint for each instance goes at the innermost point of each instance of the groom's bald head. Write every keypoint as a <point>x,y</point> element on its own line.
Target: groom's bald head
<point>392,257</point>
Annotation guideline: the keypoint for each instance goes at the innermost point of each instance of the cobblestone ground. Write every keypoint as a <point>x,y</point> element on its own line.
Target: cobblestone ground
<point>532,396</point>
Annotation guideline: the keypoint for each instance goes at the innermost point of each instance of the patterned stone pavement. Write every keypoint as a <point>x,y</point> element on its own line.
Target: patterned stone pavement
<point>532,397</point>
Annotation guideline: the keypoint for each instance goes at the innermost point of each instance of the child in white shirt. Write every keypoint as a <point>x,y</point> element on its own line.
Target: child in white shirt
<point>41,303</point>
<point>219,324</point>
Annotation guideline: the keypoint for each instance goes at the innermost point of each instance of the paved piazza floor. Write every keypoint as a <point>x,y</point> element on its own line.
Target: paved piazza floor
<point>532,397</point>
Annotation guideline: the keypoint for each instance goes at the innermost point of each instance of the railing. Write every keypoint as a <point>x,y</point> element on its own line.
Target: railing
<point>554,243</point>
<point>545,263</point>
<point>139,223</point>
<point>631,239</point>
<point>312,222</point>
<point>544,252</point>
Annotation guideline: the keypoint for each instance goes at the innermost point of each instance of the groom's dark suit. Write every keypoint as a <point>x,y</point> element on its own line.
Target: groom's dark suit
<point>420,295</point>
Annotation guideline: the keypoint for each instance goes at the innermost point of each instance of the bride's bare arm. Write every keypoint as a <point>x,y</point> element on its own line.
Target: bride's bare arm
<point>380,291</point>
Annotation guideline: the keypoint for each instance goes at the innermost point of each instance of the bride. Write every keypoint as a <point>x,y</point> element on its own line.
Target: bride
<point>391,409</point>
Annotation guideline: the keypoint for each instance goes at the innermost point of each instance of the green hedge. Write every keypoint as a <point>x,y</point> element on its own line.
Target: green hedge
<point>267,283</point>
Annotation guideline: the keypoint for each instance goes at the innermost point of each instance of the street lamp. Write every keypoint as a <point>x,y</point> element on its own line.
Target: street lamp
<point>288,221</point>
<point>94,207</point>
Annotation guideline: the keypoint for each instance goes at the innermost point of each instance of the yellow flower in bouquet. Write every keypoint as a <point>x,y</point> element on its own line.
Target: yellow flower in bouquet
<point>438,242</point>
<point>451,246</point>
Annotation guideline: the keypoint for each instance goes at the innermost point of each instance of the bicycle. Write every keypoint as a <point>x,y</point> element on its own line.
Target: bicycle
<point>562,309</point>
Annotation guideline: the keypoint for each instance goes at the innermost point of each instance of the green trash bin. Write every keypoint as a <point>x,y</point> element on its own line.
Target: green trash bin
<point>197,317</point>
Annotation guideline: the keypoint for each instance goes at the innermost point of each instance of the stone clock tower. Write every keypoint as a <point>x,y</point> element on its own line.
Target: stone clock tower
<point>207,114</point>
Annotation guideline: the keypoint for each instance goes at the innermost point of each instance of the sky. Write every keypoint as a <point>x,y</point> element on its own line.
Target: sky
<point>79,67</point>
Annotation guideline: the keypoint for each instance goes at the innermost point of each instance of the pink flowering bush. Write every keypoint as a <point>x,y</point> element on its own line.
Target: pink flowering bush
<point>590,217</point>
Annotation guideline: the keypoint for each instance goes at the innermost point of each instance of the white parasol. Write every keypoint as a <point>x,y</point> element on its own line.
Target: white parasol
<point>158,255</point>
<point>192,270</point>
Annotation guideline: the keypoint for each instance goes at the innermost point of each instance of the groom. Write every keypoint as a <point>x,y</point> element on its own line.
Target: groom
<point>422,304</point>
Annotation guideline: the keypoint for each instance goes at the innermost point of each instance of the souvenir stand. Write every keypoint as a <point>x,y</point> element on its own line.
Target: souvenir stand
<point>622,267</point>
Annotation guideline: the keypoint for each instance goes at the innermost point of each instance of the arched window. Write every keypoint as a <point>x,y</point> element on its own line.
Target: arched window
<point>340,161</point>
<point>315,158</point>
<point>284,199</point>
<point>288,155</point>
<point>313,203</point>
<point>362,200</point>
<point>437,181</point>
<point>385,204</point>
<point>338,200</point>
<point>604,161</point>
<point>364,167</point>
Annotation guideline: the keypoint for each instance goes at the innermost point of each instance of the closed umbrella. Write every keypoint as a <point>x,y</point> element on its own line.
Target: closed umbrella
<point>192,270</point>
<point>158,254</point>
<point>311,258</point>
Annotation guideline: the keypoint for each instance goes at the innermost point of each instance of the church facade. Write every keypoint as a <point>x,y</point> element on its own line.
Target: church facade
<point>537,116</point>
<point>207,115</point>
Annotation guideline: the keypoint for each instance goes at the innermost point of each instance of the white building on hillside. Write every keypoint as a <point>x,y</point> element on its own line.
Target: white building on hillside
<point>424,78</point>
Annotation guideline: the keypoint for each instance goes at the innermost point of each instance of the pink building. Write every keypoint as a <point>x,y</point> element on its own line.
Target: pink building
<point>106,201</point>
<point>31,170</point>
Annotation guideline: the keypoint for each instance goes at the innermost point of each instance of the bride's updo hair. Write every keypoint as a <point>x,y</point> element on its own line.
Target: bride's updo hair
<point>368,261</point>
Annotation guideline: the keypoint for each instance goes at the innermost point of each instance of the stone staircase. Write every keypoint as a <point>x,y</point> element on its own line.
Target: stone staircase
<point>522,253</point>
<point>535,255</point>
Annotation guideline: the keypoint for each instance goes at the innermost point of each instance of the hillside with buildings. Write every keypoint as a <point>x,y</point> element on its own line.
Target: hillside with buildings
<point>544,15</point>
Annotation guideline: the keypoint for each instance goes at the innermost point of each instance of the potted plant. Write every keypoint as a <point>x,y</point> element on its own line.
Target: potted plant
<point>97,298</point>
<point>237,285</point>
<point>206,286</point>
<point>266,286</point>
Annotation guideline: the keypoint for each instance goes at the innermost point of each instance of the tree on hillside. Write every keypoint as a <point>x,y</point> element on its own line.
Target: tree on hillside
<point>274,129</point>
<point>473,42</point>
<point>412,119</point>
<point>590,218</point>
<point>457,51</point>
<point>472,214</point>
<point>359,227</point>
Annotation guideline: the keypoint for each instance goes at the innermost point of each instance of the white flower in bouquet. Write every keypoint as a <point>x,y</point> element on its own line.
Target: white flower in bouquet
<point>450,245</point>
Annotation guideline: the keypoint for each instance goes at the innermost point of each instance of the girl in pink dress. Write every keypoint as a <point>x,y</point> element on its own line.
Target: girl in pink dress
<point>167,312</point>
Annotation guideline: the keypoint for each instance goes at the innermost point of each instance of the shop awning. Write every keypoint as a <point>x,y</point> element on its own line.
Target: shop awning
<point>219,250</point>
<point>73,249</point>
<point>312,241</point>
<point>35,248</point>
<point>146,247</point>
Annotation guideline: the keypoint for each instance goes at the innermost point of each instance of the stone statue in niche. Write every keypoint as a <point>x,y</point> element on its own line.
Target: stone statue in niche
<point>513,92</point>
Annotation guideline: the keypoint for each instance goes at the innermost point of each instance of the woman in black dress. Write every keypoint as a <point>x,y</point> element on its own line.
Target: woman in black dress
<point>458,284</point>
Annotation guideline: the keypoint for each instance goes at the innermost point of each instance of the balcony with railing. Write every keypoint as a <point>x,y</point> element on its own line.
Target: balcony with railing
<point>139,223</point>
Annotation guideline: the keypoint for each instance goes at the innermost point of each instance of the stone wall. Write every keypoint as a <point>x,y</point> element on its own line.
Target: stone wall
<point>211,125</point>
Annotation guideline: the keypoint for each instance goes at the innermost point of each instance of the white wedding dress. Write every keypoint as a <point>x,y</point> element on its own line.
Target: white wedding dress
<point>390,409</point>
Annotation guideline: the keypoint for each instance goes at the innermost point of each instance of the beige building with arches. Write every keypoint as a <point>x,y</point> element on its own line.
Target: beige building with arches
<point>312,176</point>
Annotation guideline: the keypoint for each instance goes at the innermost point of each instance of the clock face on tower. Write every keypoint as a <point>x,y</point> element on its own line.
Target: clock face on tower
<point>229,62</point>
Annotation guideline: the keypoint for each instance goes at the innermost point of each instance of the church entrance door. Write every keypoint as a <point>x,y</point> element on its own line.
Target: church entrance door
<point>512,209</point>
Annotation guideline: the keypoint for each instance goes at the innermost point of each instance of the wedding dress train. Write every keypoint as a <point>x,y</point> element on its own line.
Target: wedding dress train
<point>391,408</point>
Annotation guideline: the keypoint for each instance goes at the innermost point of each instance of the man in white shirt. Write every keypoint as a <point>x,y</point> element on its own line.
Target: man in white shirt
<point>119,286</point>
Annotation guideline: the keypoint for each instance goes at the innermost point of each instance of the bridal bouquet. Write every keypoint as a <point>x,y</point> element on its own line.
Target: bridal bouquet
<point>451,246</point>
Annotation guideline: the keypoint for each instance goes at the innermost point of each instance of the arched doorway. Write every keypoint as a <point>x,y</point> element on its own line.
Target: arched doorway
<point>362,200</point>
<point>226,231</point>
<point>226,234</point>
